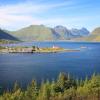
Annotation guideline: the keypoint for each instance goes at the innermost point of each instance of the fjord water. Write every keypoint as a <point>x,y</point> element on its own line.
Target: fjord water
<point>24,67</point>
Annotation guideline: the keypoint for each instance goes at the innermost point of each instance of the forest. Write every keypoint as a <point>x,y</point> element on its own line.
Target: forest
<point>65,87</point>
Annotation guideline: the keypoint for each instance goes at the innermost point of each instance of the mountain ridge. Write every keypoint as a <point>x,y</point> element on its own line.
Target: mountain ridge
<point>41,33</point>
<point>44,33</point>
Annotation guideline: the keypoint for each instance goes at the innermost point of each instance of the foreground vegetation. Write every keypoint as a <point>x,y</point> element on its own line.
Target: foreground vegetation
<point>64,88</point>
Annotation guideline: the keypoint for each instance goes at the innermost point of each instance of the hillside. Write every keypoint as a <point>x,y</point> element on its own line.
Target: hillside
<point>94,36</point>
<point>33,32</point>
<point>6,36</point>
<point>42,33</point>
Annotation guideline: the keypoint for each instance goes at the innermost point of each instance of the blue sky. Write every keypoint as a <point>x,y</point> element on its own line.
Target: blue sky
<point>16,14</point>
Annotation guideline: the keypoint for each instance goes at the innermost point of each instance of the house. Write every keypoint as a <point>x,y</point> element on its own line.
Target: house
<point>55,47</point>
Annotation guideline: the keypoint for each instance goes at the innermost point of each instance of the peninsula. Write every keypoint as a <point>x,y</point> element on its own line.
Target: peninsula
<point>35,49</point>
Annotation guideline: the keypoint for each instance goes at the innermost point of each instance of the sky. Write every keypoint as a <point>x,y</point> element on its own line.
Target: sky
<point>16,14</point>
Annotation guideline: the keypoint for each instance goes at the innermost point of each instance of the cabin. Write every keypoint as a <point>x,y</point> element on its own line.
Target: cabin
<point>55,47</point>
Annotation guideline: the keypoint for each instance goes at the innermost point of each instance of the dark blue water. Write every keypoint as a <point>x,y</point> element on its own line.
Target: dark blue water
<point>25,67</point>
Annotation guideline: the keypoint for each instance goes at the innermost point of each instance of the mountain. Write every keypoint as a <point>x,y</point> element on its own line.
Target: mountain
<point>42,33</point>
<point>70,34</point>
<point>63,32</point>
<point>94,36</point>
<point>80,32</point>
<point>34,32</point>
<point>4,35</point>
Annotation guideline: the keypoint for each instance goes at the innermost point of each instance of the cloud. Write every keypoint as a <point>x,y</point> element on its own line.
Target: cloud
<point>16,16</point>
<point>28,7</point>
<point>26,13</point>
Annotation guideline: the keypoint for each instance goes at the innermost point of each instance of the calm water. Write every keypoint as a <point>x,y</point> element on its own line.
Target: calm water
<point>25,67</point>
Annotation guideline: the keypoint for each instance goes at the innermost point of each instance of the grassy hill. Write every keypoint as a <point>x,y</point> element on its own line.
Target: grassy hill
<point>95,35</point>
<point>34,32</point>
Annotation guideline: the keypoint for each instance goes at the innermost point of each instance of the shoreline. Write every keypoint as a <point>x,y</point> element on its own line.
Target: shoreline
<point>34,49</point>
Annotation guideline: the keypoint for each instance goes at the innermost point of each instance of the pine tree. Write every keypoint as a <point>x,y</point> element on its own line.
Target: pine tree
<point>16,87</point>
<point>32,90</point>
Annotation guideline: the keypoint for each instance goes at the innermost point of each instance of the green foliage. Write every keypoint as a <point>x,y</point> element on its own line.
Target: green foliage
<point>64,88</point>
<point>16,87</point>
<point>32,91</point>
<point>65,82</point>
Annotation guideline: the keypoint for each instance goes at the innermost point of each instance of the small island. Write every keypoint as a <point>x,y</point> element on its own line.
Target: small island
<point>35,49</point>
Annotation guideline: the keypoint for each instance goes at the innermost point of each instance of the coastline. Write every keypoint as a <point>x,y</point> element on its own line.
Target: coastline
<point>35,50</point>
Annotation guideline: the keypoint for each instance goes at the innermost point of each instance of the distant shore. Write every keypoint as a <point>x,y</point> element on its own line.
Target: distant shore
<point>34,49</point>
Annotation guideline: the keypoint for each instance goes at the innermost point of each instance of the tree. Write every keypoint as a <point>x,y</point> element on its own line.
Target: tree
<point>44,92</point>
<point>16,87</point>
<point>32,90</point>
<point>65,82</point>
